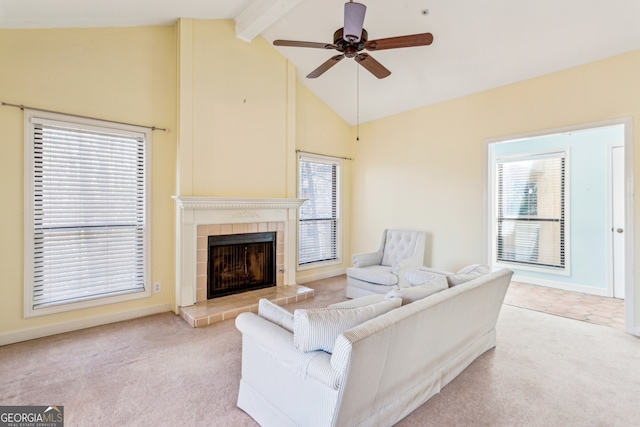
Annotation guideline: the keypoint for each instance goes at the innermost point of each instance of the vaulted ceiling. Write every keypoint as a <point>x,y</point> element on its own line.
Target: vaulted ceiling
<point>478,45</point>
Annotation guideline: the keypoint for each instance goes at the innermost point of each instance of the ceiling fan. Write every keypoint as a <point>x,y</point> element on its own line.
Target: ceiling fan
<point>352,39</point>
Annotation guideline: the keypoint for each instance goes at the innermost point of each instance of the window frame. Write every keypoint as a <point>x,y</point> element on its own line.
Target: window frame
<point>566,271</point>
<point>338,162</point>
<point>31,116</point>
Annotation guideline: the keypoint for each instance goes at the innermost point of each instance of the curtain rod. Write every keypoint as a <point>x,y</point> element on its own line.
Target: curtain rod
<point>318,154</point>
<point>22,107</point>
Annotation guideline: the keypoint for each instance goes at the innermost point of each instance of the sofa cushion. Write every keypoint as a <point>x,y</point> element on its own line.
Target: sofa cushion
<point>468,273</point>
<point>378,274</point>
<point>317,328</point>
<point>275,314</point>
<point>415,293</point>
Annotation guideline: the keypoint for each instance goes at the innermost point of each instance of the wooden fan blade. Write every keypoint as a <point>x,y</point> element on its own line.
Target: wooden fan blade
<point>373,66</point>
<point>294,43</point>
<point>424,39</point>
<point>325,66</point>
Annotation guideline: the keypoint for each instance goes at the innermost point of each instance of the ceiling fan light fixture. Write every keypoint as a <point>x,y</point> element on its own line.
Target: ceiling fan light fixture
<point>353,21</point>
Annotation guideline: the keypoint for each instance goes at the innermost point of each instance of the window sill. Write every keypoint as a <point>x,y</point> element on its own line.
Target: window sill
<point>318,264</point>
<point>29,311</point>
<point>526,267</point>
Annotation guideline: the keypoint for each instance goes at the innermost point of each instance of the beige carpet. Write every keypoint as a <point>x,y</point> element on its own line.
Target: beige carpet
<point>158,371</point>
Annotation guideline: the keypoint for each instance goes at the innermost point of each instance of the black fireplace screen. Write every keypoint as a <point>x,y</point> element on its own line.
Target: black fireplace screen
<point>241,262</point>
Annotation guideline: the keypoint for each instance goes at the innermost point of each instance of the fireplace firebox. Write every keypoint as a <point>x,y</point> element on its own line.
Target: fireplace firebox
<point>240,262</point>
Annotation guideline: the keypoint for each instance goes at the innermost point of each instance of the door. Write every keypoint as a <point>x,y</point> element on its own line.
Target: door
<point>618,224</point>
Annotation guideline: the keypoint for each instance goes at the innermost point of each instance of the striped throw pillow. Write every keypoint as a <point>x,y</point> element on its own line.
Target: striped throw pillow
<point>317,329</point>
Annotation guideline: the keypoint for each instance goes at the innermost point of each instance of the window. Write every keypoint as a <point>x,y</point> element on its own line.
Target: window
<point>86,208</point>
<point>531,210</point>
<point>319,223</point>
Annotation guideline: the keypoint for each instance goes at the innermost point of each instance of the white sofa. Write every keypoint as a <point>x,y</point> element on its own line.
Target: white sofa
<point>381,271</point>
<point>377,372</point>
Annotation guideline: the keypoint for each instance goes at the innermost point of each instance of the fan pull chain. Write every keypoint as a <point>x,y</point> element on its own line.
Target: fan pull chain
<point>357,103</point>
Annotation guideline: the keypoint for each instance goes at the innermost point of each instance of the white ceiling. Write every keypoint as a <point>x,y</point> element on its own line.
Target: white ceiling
<point>478,45</point>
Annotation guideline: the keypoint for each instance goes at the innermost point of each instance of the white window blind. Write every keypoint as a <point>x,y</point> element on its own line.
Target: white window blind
<point>319,216</point>
<point>531,210</point>
<point>89,215</point>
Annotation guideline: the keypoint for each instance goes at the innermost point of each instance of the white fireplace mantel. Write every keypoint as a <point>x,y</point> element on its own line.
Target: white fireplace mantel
<point>192,203</point>
<point>192,211</point>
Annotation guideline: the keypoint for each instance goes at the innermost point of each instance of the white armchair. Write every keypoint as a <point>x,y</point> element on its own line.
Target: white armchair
<point>384,270</point>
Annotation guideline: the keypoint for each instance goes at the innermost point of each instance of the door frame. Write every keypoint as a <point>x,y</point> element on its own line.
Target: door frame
<point>610,221</point>
<point>631,324</point>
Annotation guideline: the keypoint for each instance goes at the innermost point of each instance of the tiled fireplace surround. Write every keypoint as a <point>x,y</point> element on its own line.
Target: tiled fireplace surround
<point>200,217</point>
<point>206,230</point>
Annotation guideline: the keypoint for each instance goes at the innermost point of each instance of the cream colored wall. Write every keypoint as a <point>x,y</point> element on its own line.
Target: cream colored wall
<point>242,115</point>
<point>118,74</point>
<point>233,111</point>
<point>424,169</point>
<point>320,130</point>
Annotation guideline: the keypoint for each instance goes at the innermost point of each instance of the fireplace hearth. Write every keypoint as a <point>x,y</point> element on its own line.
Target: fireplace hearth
<point>240,262</point>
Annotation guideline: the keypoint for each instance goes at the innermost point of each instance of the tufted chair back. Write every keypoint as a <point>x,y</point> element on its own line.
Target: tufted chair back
<point>400,244</point>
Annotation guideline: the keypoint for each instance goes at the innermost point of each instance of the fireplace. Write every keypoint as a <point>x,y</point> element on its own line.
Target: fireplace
<point>200,217</point>
<point>240,262</point>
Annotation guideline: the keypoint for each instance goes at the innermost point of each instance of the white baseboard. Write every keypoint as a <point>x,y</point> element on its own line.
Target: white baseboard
<point>630,328</point>
<point>74,325</point>
<point>320,276</point>
<point>562,286</point>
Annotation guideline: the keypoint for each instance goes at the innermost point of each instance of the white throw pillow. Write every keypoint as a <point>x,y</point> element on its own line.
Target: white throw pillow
<point>415,293</point>
<point>417,277</point>
<point>468,273</point>
<point>317,328</point>
<point>275,314</point>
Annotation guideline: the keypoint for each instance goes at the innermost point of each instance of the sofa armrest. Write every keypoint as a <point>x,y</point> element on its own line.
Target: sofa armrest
<point>367,259</point>
<point>267,334</point>
<point>277,342</point>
